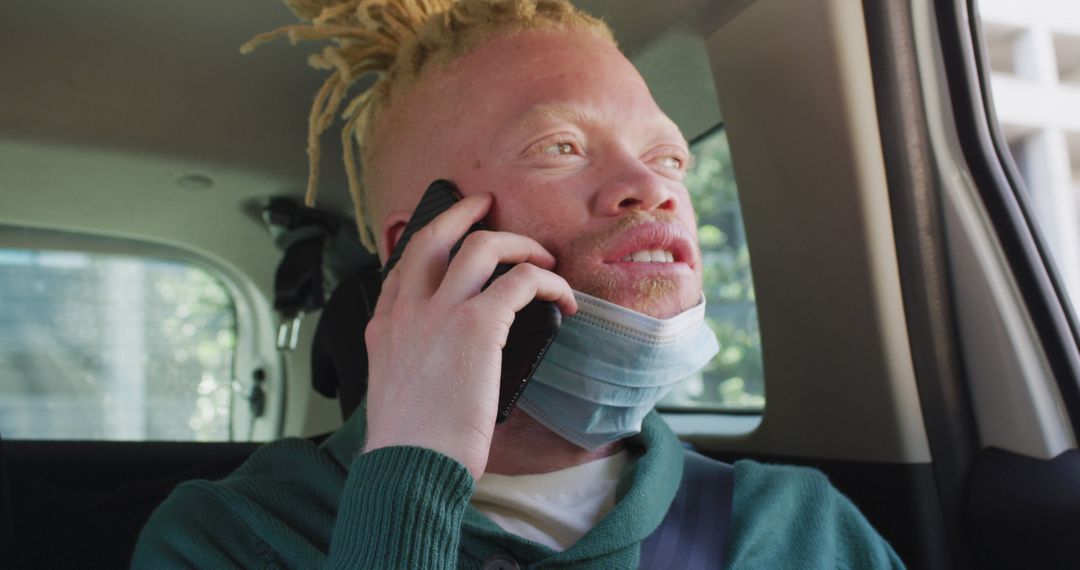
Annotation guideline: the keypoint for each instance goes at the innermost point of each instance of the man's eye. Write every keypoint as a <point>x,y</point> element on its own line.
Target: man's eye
<point>558,149</point>
<point>675,161</point>
<point>672,162</point>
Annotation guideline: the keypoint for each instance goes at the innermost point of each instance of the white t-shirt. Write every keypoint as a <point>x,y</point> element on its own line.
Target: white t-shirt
<point>554,509</point>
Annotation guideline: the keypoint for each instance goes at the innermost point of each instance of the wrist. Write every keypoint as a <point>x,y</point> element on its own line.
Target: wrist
<point>467,455</point>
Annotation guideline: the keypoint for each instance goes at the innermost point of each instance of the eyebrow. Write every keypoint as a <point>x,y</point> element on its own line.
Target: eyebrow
<point>542,113</point>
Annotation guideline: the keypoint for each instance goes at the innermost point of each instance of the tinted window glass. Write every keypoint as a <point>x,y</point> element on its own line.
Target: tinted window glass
<point>113,347</point>
<point>1033,50</point>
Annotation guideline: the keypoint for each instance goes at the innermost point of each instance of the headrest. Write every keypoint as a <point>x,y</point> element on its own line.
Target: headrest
<point>339,363</point>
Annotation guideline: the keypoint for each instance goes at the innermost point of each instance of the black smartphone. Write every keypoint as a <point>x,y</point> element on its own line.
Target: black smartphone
<point>535,326</point>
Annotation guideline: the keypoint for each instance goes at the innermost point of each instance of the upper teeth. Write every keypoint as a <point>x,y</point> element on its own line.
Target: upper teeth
<point>651,256</point>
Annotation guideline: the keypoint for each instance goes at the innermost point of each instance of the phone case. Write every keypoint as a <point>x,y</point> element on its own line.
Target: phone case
<point>535,326</point>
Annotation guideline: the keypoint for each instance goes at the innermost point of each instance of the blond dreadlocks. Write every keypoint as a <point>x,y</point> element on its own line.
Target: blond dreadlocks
<point>395,40</point>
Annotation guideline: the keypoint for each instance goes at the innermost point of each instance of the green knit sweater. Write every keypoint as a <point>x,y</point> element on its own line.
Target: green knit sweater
<point>295,505</point>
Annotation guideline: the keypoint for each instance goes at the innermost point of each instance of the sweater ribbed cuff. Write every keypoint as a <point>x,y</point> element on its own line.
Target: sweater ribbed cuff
<point>401,508</point>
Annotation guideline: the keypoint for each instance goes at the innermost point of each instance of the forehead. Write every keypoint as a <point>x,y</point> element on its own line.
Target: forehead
<point>530,76</point>
<point>470,110</point>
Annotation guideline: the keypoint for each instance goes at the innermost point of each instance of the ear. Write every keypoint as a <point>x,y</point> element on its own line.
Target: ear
<point>393,227</point>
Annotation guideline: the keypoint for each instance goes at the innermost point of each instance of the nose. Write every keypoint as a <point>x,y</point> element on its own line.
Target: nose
<point>633,185</point>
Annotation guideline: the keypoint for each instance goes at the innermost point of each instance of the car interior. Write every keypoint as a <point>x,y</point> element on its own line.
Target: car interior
<point>916,343</point>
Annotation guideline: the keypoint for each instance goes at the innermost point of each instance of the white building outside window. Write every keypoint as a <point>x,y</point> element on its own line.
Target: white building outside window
<point>1034,52</point>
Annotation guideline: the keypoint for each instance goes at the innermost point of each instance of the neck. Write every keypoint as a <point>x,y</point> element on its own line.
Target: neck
<point>522,446</point>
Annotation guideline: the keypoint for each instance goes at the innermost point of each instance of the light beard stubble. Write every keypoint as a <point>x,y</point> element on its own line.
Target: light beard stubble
<point>652,290</point>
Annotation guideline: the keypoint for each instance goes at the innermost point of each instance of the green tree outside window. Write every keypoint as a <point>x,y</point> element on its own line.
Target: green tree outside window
<point>734,380</point>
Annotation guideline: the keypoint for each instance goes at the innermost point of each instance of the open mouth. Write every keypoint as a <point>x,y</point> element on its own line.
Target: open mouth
<point>653,243</point>
<point>650,256</point>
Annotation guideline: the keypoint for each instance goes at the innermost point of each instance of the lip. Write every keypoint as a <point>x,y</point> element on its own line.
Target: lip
<point>668,237</point>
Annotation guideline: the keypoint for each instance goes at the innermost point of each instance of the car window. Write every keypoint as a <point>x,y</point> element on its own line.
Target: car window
<point>734,380</point>
<point>1033,51</point>
<point>98,346</point>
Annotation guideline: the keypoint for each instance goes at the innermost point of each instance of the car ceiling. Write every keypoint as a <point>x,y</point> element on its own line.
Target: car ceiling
<point>141,119</point>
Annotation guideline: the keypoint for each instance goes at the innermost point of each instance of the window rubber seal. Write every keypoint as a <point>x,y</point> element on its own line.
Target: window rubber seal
<point>1000,189</point>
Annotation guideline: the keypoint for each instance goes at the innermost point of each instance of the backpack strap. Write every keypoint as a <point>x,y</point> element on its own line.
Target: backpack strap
<point>694,532</point>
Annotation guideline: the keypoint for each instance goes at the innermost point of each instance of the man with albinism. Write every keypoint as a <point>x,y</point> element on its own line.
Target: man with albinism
<point>553,138</point>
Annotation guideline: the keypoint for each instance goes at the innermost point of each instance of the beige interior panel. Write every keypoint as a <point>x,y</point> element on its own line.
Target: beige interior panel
<point>794,83</point>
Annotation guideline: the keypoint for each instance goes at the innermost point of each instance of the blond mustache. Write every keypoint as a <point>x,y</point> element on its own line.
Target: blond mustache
<point>599,240</point>
<point>651,290</point>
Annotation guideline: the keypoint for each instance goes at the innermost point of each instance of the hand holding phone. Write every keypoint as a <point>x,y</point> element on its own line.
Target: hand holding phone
<point>436,340</point>
<point>534,327</point>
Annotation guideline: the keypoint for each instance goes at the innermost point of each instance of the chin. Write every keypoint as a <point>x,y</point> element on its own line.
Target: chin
<point>660,308</point>
<point>660,297</point>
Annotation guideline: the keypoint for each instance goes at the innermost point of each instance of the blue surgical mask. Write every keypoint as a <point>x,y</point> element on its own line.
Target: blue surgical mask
<point>609,366</point>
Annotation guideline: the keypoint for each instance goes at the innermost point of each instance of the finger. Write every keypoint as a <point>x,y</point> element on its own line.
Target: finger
<point>388,292</point>
<point>424,261</point>
<point>522,284</point>
<point>478,257</point>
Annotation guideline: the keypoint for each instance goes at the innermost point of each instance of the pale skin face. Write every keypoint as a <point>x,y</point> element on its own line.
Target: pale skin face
<point>554,139</point>
<point>577,155</point>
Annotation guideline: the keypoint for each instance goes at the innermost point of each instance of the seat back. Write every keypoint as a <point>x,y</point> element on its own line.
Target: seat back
<point>83,504</point>
<point>7,532</point>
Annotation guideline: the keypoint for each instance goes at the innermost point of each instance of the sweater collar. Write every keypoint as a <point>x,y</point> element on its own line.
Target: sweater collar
<point>645,493</point>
